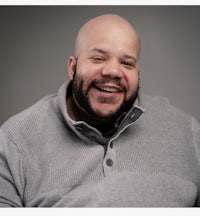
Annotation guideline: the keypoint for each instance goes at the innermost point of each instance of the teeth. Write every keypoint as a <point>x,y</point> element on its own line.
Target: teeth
<point>108,89</point>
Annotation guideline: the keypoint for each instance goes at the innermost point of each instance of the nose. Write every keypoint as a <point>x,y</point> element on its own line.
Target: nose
<point>112,69</point>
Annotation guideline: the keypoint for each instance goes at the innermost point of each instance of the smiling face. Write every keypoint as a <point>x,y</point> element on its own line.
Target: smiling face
<point>105,70</point>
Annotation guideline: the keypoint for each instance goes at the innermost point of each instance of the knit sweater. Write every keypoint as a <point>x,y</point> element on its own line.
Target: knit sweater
<point>47,159</point>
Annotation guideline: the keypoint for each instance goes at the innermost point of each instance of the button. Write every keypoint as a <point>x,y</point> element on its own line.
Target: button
<point>78,128</point>
<point>133,115</point>
<point>109,162</point>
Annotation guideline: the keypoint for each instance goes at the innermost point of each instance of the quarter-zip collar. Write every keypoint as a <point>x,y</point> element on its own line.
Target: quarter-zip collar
<point>86,131</point>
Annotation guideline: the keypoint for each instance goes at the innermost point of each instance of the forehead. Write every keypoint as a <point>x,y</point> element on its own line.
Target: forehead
<point>107,30</point>
<point>113,39</point>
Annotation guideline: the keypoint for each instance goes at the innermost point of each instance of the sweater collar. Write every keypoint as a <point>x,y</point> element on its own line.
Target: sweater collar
<point>86,131</point>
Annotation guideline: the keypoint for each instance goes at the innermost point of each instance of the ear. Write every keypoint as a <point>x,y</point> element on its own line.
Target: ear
<point>71,66</point>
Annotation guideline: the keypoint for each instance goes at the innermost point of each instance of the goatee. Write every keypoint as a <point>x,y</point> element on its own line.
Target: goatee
<point>82,99</point>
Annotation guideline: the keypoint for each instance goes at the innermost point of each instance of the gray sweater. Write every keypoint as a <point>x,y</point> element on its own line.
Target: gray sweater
<point>46,159</point>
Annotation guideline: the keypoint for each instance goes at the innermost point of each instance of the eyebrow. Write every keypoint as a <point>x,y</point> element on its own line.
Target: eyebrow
<point>98,50</point>
<point>104,52</point>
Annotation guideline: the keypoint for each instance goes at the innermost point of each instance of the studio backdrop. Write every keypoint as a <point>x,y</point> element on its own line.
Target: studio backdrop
<point>35,42</point>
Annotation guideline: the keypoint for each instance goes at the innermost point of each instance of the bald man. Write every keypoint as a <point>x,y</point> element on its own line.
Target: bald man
<point>99,142</point>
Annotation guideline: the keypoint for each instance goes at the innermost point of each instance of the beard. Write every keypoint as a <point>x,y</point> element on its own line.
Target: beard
<point>82,99</point>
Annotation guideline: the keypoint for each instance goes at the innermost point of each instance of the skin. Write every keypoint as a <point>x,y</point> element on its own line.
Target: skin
<point>106,69</point>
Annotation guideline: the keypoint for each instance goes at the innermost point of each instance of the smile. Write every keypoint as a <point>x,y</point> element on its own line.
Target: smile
<point>108,89</point>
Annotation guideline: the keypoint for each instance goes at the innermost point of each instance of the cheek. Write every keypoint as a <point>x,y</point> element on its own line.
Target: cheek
<point>84,75</point>
<point>88,74</point>
<point>132,82</point>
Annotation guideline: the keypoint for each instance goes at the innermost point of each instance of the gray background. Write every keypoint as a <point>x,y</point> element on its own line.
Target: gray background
<point>35,43</point>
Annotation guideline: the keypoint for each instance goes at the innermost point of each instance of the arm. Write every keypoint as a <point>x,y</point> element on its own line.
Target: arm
<point>196,137</point>
<point>10,170</point>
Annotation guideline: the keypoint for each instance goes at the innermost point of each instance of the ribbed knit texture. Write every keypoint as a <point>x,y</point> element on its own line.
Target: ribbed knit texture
<point>46,159</point>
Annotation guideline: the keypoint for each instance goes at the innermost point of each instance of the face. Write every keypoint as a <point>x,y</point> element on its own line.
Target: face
<point>105,73</point>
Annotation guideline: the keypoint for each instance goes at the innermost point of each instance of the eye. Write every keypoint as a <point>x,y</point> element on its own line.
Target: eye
<point>98,59</point>
<point>128,64</point>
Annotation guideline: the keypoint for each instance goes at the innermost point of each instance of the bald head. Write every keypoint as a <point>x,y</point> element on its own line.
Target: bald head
<point>105,67</point>
<point>106,24</point>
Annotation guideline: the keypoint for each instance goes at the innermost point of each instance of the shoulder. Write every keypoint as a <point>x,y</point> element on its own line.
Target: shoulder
<point>31,117</point>
<point>153,100</point>
<point>160,107</point>
<point>161,116</point>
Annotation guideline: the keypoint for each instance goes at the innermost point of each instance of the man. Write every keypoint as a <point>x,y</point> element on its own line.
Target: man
<point>98,142</point>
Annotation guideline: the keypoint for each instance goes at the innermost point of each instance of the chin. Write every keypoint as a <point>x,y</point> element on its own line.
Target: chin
<point>105,115</point>
<point>105,109</point>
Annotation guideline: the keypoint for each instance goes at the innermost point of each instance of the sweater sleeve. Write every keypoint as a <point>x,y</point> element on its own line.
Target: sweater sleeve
<point>196,137</point>
<point>10,178</point>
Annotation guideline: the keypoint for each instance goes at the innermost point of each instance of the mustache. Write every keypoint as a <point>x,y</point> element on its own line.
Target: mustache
<point>108,80</point>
